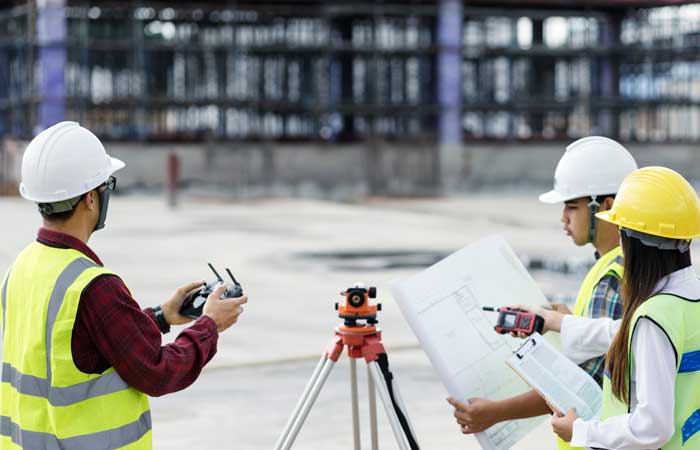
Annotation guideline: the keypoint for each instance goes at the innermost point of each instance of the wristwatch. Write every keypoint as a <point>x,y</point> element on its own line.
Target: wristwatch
<point>163,324</point>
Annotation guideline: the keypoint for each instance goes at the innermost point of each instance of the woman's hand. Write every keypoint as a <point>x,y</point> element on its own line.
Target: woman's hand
<point>563,426</point>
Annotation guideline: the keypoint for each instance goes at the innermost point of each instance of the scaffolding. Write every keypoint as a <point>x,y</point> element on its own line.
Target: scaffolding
<point>347,71</point>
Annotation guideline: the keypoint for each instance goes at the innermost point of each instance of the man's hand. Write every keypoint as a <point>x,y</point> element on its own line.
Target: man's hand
<point>552,319</point>
<point>476,416</point>
<point>224,312</point>
<point>560,308</point>
<point>563,426</point>
<point>171,308</point>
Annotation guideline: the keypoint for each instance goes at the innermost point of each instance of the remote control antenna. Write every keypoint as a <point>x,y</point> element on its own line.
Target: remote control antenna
<point>489,308</point>
<point>218,277</point>
<point>232,277</point>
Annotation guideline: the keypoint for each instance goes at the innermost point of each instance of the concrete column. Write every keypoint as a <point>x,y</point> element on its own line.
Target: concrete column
<point>139,74</point>
<point>538,82</point>
<point>449,90</point>
<point>609,117</point>
<point>4,88</point>
<point>343,25</point>
<point>51,36</point>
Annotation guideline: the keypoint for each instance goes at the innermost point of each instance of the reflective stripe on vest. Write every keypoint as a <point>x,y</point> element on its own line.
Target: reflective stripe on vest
<point>674,315</point>
<point>690,362</point>
<point>68,409</point>
<point>62,396</point>
<point>691,426</point>
<point>110,439</point>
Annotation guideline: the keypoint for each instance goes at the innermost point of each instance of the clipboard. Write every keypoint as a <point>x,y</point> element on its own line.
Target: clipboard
<point>520,353</point>
<point>555,378</point>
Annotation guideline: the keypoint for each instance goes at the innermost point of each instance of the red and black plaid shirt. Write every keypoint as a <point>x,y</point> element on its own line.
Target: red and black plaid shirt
<point>111,330</point>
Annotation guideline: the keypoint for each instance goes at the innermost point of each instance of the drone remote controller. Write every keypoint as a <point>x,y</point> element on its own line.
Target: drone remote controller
<point>193,306</point>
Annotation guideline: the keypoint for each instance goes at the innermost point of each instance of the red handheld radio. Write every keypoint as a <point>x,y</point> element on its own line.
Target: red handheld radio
<point>516,320</point>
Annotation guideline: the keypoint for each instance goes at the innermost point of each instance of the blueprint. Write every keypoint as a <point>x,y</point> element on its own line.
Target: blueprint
<point>442,305</point>
<point>564,384</point>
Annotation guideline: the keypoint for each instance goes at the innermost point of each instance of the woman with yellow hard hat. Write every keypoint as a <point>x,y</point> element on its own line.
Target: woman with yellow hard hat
<point>651,391</point>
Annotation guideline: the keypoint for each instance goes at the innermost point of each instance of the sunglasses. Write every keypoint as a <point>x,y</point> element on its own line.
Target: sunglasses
<point>110,184</point>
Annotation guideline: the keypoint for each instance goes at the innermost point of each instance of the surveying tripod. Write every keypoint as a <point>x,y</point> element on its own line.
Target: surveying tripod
<point>363,340</point>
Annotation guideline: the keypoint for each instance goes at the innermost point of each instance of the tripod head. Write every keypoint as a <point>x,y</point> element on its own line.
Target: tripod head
<point>356,306</point>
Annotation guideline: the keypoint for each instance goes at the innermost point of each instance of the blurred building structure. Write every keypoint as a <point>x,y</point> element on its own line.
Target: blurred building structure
<point>431,76</point>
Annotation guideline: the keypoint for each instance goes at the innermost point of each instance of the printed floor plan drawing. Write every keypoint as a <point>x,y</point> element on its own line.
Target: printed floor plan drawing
<point>443,306</point>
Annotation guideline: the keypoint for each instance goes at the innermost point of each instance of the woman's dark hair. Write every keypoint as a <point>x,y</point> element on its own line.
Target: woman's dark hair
<point>644,267</point>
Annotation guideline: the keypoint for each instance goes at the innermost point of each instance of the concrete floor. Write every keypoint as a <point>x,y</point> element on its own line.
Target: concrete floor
<point>285,253</point>
<point>247,407</point>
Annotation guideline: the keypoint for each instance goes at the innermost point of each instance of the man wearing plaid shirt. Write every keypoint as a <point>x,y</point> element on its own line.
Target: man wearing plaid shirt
<point>585,181</point>
<point>606,302</point>
<point>81,357</point>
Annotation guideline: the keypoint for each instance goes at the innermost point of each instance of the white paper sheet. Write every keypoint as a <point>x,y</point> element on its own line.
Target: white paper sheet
<point>564,384</point>
<point>443,304</point>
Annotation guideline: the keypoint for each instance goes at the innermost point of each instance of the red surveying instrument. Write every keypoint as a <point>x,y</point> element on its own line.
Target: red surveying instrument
<point>516,321</point>
<point>363,339</point>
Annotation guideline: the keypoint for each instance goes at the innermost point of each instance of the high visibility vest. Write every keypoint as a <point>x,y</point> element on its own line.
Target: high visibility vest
<point>609,263</point>
<point>678,317</point>
<point>46,402</point>
<point>606,265</point>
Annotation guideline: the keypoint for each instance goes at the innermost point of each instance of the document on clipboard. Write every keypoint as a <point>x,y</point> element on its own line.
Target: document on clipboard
<point>556,378</point>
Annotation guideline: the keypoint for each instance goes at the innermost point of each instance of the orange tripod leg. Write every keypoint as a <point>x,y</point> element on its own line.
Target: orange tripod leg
<point>308,397</point>
<point>362,344</point>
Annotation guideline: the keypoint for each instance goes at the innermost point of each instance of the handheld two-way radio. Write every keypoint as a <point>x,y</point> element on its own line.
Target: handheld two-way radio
<point>193,306</point>
<point>516,321</point>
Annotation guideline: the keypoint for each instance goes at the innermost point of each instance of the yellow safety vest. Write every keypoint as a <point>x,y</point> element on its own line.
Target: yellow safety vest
<point>46,402</point>
<point>606,264</point>
<point>679,318</point>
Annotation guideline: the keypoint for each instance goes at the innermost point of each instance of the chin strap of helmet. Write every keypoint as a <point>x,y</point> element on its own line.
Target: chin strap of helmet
<point>593,208</point>
<point>104,205</point>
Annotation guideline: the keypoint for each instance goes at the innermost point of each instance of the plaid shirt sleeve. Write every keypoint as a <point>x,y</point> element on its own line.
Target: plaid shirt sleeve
<point>606,302</point>
<point>111,330</point>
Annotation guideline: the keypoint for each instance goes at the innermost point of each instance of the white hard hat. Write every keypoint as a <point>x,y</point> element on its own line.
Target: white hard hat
<point>63,162</point>
<point>590,166</point>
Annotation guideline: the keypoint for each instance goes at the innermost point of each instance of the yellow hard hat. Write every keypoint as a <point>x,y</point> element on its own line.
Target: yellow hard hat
<point>656,201</point>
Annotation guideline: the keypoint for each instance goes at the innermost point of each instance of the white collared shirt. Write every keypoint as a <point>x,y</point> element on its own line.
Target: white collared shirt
<point>652,385</point>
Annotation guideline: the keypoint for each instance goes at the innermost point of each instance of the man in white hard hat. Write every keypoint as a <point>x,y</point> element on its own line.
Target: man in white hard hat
<point>80,357</point>
<point>585,181</point>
